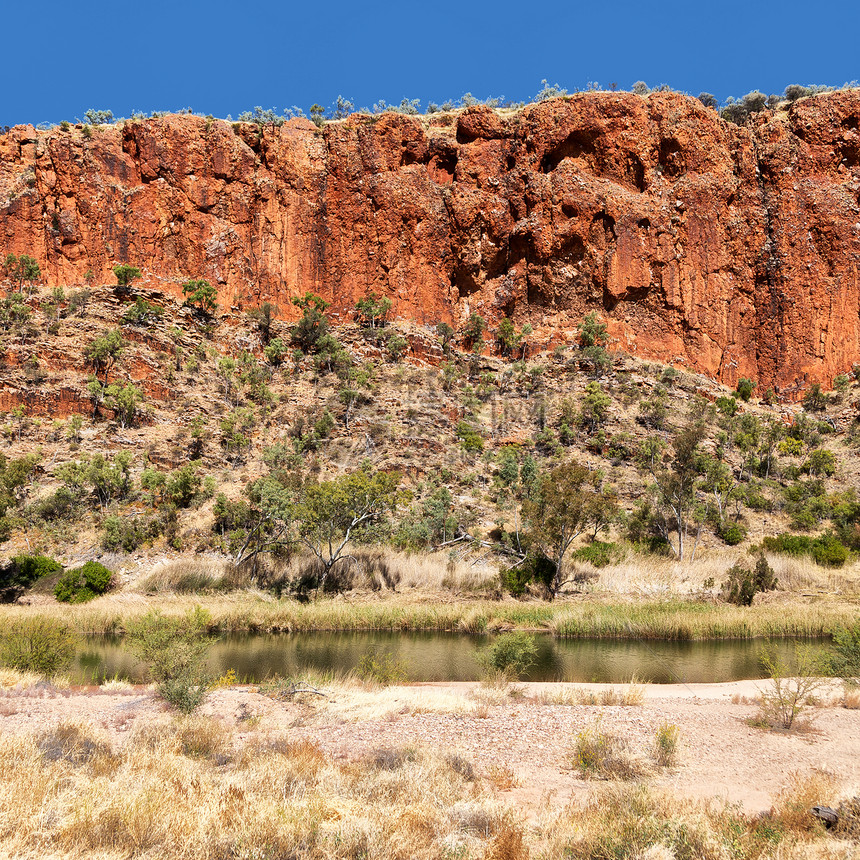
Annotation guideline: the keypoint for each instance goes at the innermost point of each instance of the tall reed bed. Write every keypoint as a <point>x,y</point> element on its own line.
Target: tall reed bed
<point>672,619</point>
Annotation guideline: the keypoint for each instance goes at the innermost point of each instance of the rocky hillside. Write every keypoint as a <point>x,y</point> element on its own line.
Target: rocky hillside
<point>128,414</point>
<point>730,251</point>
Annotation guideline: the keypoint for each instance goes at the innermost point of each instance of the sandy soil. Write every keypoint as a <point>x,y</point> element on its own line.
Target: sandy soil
<point>524,746</point>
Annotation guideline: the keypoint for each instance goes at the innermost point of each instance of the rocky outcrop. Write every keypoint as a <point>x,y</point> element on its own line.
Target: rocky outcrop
<point>731,250</point>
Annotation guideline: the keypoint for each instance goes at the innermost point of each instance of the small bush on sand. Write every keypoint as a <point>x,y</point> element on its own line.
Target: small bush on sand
<point>174,651</point>
<point>43,645</point>
<point>791,688</point>
<point>599,754</point>
<point>666,745</point>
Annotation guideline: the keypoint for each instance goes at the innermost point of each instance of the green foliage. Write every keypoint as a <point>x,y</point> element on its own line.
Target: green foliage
<point>469,437</point>
<point>202,294</point>
<point>104,350</point>
<point>275,350</point>
<point>570,500</point>
<point>125,401</point>
<point>142,313</point>
<point>14,313</point>
<point>600,754</point>
<point>792,687</point>
<point>262,318</point>
<point>125,274</point>
<point>509,654</point>
<point>42,644</point>
<point>594,406</point>
<point>743,584</point>
<point>396,346</point>
<point>821,461</point>
<point>592,331</point>
<point>373,309</point>
<point>732,533</point>
<point>473,332</point>
<point>107,479</point>
<point>815,400</point>
<point>174,650</point>
<point>313,324</point>
<point>598,553</point>
<point>83,583</point>
<point>23,268</point>
<point>727,405</point>
<point>666,744</point>
<point>446,335</point>
<point>29,568</point>
<point>536,568</point>
<point>129,533</point>
<point>844,660</point>
<point>98,117</point>
<point>383,669</point>
<point>431,523</point>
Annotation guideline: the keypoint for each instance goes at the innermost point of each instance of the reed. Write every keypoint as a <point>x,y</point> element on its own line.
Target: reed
<point>670,619</point>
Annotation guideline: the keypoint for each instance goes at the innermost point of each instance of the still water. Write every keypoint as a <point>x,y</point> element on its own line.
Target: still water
<point>452,657</point>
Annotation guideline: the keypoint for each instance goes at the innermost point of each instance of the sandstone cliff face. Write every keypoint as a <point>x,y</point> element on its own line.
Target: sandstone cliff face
<point>731,250</point>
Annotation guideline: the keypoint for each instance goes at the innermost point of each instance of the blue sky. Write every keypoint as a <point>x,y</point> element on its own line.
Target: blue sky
<point>225,57</point>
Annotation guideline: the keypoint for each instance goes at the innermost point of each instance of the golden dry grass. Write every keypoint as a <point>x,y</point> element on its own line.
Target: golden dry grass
<point>195,787</point>
<point>628,695</point>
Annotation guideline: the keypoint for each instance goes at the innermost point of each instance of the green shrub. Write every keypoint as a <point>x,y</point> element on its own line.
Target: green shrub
<point>743,584</point>
<point>469,437</point>
<point>745,388</point>
<point>727,405</point>
<point>732,533</point>
<point>844,661</point>
<point>510,654</point>
<point>829,551</point>
<point>83,583</point>
<point>599,553</point>
<point>381,669</point>
<point>536,568</point>
<point>41,644</point>
<point>29,568</point>
<point>666,744</point>
<point>174,650</point>
<point>601,754</point>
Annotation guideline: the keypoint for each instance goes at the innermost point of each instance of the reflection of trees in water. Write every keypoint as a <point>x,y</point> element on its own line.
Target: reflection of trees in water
<point>452,657</point>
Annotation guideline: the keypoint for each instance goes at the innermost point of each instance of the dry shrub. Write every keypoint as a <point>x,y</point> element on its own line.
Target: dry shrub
<point>851,698</point>
<point>72,743</point>
<point>600,754</point>
<point>507,844</point>
<point>623,821</point>
<point>631,695</point>
<point>502,778</point>
<point>10,678</point>
<point>791,809</point>
<point>204,738</point>
<point>187,576</point>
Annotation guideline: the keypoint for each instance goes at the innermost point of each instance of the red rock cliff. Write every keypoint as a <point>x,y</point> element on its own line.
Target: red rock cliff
<point>733,250</point>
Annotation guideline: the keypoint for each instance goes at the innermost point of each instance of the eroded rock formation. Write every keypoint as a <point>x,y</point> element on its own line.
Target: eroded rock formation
<point>732,250</point>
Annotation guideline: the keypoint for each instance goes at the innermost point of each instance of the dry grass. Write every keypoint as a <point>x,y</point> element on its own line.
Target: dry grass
<point>352,699</point>
<point>601,754</point>
<point>630,695</point>
<point>195,788</point>
<point>851,698</point>
<point>10,678</point>
<point>186,576</point>
<point>658,619</point>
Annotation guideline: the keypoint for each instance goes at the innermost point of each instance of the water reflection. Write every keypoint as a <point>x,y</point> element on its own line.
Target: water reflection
<point>451,657</point>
